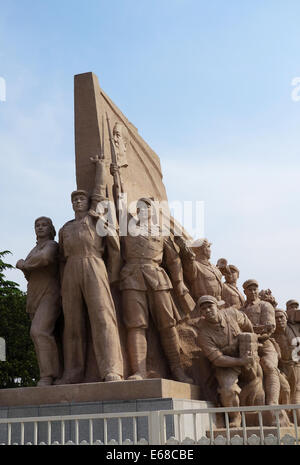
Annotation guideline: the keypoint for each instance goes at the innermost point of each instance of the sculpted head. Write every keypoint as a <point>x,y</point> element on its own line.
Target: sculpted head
<point>281,320</point>
<point>251,290</point>
<point>231,274</point>
<point>144,208</point>
<point>209,308</point>
<point>201,247</point>
<point>80,201</point>
<point>44,228</point>
<point>120,135</point>
<point>292,305</point>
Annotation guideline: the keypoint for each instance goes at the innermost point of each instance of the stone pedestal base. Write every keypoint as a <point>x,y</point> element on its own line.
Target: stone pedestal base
<point>100,398</point>
<point>96,392</point>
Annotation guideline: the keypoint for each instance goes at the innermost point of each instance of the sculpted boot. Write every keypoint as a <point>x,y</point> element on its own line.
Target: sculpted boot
<point>137,348</point>
<point>45,381</point>
<point>112,377</point>
<point>272,388</point>
<point>296,400</point>
<point>235,419</point>
<point>230,398</point>
<point>170,343</point>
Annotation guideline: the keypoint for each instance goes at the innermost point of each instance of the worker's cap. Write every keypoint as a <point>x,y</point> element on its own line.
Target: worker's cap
<point>209,298</point>
<point>145,200</point>
<point>279,311</point>
<point>79,192</point>
<point>291,302</point>
<point>234,268</point>
<point>249,282</point>
<point>198,243</point>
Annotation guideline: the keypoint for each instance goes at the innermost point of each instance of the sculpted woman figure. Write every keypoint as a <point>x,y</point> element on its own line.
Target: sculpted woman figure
<point>40,268</point>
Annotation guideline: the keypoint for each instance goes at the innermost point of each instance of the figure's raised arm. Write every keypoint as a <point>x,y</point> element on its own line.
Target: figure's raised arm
<point>41,258</point>
<point>99,191</point>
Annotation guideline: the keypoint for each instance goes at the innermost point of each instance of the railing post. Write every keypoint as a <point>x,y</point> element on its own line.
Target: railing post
<point>155,434</point>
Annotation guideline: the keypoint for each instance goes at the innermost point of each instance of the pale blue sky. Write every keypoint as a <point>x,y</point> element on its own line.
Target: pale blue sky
<point>208,84</point>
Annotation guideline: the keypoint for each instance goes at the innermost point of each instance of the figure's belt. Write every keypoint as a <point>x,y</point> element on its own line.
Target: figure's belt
<point>83,255</point>
<point>141,261</point>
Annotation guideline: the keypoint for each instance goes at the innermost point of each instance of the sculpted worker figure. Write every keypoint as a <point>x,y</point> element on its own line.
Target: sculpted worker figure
<point>262,316</point>
<point>293,314</point>
<point>230,292</point>
<point>202,277</point>
<point>219,341</point>
<point>43,298</point>
<point>145,288</point>
<point>85,288</point>
<point>289,362</point>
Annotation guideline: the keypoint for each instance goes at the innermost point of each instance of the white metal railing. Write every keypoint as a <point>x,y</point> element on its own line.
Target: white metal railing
<point>76,419</point>
<point>210,434</point>
<point>193,426</point>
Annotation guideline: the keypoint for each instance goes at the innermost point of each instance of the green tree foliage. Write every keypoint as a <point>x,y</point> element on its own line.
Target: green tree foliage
<point>20,367</point>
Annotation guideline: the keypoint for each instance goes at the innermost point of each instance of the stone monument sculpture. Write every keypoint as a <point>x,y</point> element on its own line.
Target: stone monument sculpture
<point>128,299</point>
<point>202,277</point>
<point>219,338</point>
<point>85,287</point>
<point>230,292</point>
<point>41,269</point>
<point>145,288</point>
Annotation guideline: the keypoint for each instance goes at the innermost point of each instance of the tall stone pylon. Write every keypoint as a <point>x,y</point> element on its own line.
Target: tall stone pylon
<point>142,177</point>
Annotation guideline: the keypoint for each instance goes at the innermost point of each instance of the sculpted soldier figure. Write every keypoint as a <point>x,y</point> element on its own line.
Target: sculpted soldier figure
<point>202,277</point>
<point>262,316</point>
<point>230,292</point>
<point>145,287</point>
<point>85,288</point>
<point>219,340</point>
<point>289,362</point>
<point>43,298</point>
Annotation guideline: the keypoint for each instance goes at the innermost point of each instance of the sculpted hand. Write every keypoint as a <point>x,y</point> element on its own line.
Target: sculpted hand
<point>20,264</point>
<point>181,288</point>
<point>247,359</point>
<point>100,169</point>
<point>269,328</point>
<point>259,329</point>
<point>114,168</point>
<point>98,160</point>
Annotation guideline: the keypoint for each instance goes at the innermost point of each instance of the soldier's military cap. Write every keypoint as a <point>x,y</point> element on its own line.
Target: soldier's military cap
<point>291,302</point>
<point>249,282</point>
<point>147,200</point>
<point>208,298</point>
<point>199,243</point>
<point>79,192</point>
<point>234,268</point>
